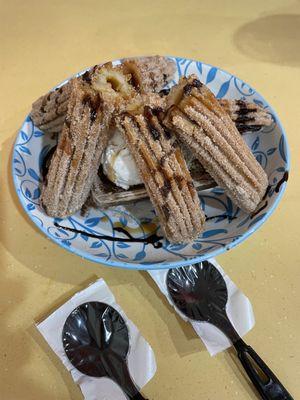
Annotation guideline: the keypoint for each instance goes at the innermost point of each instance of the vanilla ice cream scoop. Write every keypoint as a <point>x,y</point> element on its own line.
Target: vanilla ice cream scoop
<point>118,164</point>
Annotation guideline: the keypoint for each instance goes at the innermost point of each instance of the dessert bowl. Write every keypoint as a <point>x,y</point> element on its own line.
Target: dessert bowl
<point>129,235</point>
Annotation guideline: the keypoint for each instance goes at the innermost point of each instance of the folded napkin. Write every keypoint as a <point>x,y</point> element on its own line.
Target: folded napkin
<point>239,311</point>
<point>141,359</point>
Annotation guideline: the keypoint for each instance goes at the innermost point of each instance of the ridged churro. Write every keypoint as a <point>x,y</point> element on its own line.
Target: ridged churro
<point>150,74</point>
<point>165,175</point>
<point>49,111</point>
<point>204,126</point>
<point>75,162</point>
<point>246,116</point>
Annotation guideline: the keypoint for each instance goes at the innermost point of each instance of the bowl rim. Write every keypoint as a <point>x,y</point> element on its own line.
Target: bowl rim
<point>174,263</point>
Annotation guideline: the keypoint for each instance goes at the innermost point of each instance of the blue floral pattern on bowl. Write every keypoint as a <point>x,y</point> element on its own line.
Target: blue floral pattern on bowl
<point>226,226</point>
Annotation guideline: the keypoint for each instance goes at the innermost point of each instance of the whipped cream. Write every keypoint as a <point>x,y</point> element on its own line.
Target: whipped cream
<point>118,164</point>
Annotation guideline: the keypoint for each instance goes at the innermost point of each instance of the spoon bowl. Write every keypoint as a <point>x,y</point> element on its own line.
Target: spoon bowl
<point>96,341</point>
<point>198,290</point>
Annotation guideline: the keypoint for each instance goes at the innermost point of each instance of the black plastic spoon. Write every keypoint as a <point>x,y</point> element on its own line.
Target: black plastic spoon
<point>199,291</point>
<point>96,341</point>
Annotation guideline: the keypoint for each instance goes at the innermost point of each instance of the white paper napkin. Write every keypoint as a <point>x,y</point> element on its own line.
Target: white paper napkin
<point>239,311</point>
<point>141,359</point>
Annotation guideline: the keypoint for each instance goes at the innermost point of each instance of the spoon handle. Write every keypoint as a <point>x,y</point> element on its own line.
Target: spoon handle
<point>119,372</point>
<point>138,396</point>
<point>267,384</point>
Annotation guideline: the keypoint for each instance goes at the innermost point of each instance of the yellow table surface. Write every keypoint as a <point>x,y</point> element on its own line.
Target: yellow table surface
<point>44,42</point>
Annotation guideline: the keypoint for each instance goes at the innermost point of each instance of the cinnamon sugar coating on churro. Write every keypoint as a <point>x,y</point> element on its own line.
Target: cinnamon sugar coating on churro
<point>205,127</point>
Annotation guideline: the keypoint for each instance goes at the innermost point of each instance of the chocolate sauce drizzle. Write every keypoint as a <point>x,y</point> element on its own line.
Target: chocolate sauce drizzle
<point>168,133</point>
<point>188,87</point>
<point>153,239</point>
<point>259,210</point>
<point>149,115</point>
<point>247,128</point>
<point>165,189</point>
<point>46,162</point>
<point>244,111</point>
<point>267,192</point>
<point>164,92</point>
<point>154,132</point>
<point>282,180</point>
<point>223,216</point>
<point>244,118</point>
<point>94,105</point>
<point>86,77</point>
<point>241,103</point>
<point>157,111</point>
<point>277,188</point>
